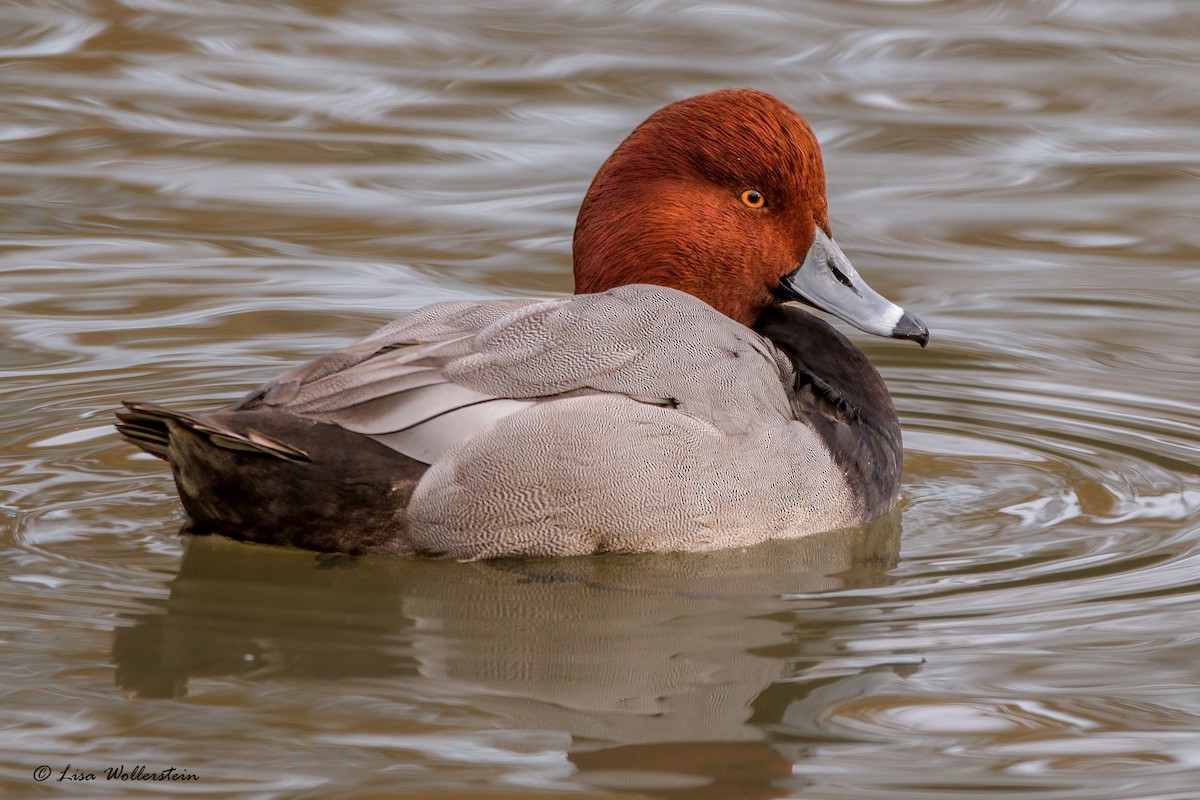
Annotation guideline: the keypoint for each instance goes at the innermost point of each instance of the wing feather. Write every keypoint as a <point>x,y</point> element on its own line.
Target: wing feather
<point>395,412</point>
<point>429,440</point>
<point>439,376</point>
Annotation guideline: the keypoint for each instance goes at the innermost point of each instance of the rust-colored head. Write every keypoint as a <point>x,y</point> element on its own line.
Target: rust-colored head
<point>718,195</point>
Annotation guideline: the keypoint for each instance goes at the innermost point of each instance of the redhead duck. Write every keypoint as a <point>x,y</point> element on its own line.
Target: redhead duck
<point>672,404</point>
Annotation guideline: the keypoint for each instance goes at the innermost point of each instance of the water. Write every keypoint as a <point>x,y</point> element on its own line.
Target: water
<point>197,196</point>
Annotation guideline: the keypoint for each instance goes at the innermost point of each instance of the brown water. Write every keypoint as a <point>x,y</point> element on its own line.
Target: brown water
<point>197,195</point>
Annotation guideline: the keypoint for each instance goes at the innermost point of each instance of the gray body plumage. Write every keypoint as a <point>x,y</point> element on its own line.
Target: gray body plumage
<point>639,419</point>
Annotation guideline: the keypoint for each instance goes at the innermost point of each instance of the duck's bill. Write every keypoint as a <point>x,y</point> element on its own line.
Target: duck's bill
<point>827,281</point>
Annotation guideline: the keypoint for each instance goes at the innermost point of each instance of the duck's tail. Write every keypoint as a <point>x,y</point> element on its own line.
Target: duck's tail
<point>149,426</point>
<point>145,425</point>
<point>332,491</point>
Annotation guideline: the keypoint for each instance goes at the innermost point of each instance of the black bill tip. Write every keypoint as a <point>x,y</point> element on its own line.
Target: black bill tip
<point>909,327</point>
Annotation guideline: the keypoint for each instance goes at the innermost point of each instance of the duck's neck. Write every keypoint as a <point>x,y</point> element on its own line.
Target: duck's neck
<point>843,396</point>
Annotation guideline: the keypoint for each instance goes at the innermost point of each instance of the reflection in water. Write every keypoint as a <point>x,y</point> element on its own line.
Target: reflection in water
<point>634,657</point>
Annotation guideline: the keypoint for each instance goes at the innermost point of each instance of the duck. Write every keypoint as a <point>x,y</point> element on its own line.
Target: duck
<point>683,399</point>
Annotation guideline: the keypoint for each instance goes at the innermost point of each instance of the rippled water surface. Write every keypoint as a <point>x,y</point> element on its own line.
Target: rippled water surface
<point>197,195</point>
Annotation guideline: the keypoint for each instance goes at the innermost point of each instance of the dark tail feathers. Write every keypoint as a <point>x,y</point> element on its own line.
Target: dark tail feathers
<point>148,426</point>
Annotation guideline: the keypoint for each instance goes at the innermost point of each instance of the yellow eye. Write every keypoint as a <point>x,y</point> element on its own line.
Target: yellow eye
<point>753,199</point>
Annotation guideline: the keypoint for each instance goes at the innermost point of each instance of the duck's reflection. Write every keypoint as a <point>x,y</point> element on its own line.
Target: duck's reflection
<point>652,663</point>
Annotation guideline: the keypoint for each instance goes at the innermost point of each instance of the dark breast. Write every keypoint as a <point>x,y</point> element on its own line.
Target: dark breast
<point>843,396</point>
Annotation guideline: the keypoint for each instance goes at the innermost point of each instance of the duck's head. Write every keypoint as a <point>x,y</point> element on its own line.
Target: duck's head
<point>722,196</point>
